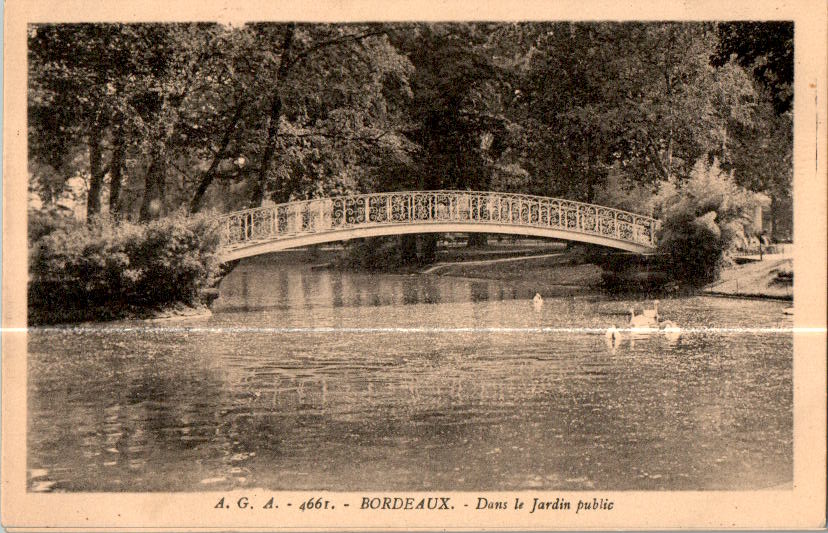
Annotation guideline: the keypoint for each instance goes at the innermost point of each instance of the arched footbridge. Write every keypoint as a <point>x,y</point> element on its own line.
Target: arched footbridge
<point>302,223</point>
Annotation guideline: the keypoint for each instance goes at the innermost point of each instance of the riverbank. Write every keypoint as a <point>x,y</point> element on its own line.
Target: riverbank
<point>771,278</point>
<point>551,270</point>
<point>546,273</point>
<point>73,317</point>
<point>104,270</point>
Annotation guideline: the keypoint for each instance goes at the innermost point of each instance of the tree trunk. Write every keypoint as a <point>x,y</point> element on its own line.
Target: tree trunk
<point>477,240</point>
<point>408,249</point>
<point>774,209</point>
<point>210,174</point>
<point>206,180</point>
<point>428,247</point>
<point>96,174</point>
<point>116,169</point>
<point>152,205</point>
<point>257,195</point>
<point>655,158</point>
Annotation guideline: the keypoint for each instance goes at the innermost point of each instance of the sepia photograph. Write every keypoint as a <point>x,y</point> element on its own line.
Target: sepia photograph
<point>425,263</point>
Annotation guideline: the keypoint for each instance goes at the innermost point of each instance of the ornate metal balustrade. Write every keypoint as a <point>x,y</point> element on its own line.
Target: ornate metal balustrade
<point>293,219</point>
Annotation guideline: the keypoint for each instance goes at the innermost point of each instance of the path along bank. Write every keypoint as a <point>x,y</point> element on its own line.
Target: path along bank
<point>770,276</point>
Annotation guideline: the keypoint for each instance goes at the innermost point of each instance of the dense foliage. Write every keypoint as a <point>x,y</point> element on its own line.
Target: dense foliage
<point>157,116</point>
<point>703,220</point>
<point>134,121</point>
<point>102,270</point>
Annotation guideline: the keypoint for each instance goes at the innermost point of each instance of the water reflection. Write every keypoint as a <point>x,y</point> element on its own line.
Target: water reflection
<point>307,288</point>
<point>410,410</point>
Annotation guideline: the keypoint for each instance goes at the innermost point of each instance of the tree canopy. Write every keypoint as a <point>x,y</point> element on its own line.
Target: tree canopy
<point>153,118</point>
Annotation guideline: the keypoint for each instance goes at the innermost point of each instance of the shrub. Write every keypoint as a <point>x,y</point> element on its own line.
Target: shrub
<point>103,270</point>
<point>45,221</point>
<point>703,220</point>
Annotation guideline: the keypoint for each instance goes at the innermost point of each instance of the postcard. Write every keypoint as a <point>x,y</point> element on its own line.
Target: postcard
<point>414,266</point>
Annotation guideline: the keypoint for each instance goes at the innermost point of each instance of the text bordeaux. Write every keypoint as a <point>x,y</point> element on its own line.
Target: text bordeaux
<point>407,504</point>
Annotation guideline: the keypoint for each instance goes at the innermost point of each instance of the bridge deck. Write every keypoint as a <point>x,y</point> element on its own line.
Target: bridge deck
<point>301,223</point>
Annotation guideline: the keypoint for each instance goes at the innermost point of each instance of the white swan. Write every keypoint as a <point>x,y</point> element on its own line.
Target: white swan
<point>641,325</point>
<point>640,321</point>
<point>669,325</point>
<point>652,313</point>
<point>671,330</point>
<point>537,301</point>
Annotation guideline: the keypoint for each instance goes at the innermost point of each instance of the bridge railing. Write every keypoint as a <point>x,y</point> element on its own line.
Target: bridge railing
<point>438,207</point>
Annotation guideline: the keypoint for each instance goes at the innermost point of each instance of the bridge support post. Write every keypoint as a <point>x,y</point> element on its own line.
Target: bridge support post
<point>320,225</point>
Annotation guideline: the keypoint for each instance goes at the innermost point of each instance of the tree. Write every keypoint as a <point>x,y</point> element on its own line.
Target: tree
<point>764,149</point>
<point>316,103</point>
<point>459,112</point>
<point>98,82</point>
<point>764,48</point>
<point>71,71</point>
<point>334,89</point>
<point>703,220</point>
<point>206,115</point>
<point>641,95</point>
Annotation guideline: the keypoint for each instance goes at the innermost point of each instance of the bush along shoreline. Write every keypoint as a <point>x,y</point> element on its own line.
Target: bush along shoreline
<point>704,220</point>
<point>105,270</point>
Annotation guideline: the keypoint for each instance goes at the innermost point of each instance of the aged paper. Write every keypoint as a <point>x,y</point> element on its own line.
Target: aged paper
<point>131,478</point>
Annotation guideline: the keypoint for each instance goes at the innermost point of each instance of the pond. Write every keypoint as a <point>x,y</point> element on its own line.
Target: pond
<point>310,378</point>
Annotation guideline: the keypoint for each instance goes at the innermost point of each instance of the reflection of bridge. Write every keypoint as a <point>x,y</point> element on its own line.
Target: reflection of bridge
<point>302,223</point>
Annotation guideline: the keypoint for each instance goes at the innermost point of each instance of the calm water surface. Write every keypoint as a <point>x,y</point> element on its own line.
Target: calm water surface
<point>183,410</point>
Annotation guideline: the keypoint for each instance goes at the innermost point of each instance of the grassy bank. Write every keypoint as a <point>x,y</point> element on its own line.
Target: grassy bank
<point>545,275</point>
<point>761,279</point>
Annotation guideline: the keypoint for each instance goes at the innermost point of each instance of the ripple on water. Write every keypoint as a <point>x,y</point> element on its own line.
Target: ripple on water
<point>413,409</point>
